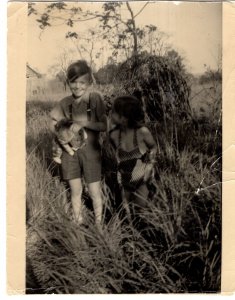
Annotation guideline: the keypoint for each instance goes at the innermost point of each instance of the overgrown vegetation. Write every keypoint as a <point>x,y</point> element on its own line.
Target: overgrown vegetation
<point>161,83</point>
<point>173,246</point>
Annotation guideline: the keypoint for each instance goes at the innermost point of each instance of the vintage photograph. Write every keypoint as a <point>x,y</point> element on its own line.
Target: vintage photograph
<point>123,147</point>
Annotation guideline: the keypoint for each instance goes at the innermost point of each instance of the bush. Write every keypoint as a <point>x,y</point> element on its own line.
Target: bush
<point>106,74</point>
<point>162,84</point>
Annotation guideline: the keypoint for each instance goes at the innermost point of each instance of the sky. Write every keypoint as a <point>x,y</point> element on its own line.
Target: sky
<point>194,29</point>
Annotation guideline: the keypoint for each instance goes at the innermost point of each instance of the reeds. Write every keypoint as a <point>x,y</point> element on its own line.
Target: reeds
<point>174,246</point>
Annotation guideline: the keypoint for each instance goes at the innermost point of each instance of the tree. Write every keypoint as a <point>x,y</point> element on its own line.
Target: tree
<point>65,58</point>
<point>120,31</point>
<point>85,45</point>
<point>211,76</point>
<point>152,40</point>
<point>53,70</point>
<point>61,75</point>
<point>175,58</point>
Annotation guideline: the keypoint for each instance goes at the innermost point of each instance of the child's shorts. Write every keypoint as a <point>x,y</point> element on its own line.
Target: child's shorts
<point>85,162</point>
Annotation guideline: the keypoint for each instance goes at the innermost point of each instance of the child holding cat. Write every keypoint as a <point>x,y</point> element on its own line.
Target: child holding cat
<point>87,111</point>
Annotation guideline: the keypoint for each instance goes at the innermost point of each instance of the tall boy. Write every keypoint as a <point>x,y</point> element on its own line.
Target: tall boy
<point>86,108</point>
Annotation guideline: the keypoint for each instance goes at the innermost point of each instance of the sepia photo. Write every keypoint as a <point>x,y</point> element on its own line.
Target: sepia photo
<point>123,142</point>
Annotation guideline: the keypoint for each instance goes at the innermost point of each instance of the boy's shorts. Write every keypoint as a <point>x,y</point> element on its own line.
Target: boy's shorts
<point>85,162</point>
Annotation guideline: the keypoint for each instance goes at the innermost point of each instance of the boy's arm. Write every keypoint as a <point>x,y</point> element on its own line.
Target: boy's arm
<point>67,148</point>
<point>96,126</point>
<point>52,124</point>
<point>56,114</point>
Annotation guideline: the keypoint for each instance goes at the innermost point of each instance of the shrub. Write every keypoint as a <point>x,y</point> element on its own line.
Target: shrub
<point>161,83</point>
<point>106,74</point>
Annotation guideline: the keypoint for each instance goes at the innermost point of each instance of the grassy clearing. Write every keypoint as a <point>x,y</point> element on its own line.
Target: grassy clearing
<point>174,246</point>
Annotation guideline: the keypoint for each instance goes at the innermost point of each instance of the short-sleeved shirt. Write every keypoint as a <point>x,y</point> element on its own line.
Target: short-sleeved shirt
<point>79,111</point>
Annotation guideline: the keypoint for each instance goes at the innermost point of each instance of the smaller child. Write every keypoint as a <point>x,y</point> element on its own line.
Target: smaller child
<point>135,149</point>
<point>70,136</point>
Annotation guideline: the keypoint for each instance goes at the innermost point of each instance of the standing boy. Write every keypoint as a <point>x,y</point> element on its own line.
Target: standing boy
<point>86,108</point>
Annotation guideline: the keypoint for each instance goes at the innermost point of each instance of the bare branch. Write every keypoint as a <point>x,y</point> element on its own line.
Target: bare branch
<point>130,10</point>
<point>141,10</point>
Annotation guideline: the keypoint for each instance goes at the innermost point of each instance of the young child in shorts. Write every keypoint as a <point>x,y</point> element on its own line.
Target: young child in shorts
<point>135,149</point>
<point>87,110</point>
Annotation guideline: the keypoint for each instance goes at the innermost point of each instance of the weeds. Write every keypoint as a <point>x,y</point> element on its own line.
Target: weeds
<point>174,246</point>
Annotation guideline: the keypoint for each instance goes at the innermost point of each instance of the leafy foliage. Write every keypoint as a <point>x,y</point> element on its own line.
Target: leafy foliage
<point>106,74</point>
<point>31,9</point>
<point>121,32</point>
<point>162,84</point>
<point>211,76</point>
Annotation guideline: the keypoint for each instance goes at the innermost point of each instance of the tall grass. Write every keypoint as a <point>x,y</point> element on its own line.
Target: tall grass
<point>173,246</point>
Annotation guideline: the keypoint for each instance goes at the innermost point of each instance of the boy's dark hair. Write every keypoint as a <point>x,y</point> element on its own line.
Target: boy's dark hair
<point>77,69</point>
<point>131,108</point>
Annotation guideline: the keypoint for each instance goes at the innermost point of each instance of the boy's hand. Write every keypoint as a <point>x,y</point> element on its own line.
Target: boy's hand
<point>75,127</point>
<point>61,142</point>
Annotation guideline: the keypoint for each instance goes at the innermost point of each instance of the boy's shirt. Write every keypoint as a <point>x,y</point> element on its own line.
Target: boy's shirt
<point>79,111</point>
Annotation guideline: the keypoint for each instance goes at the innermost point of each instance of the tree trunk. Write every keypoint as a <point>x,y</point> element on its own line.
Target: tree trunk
<point>134,33</point>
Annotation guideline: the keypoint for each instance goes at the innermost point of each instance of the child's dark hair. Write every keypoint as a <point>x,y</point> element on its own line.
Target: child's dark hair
<point>131,108</point>
<point>77,69</point>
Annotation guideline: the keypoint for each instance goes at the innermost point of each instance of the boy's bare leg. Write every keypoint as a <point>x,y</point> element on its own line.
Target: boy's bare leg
<point>76,198</point>
<point>94,190</point>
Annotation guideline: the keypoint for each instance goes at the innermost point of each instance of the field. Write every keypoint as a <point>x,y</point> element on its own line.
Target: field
<point>176,245</point>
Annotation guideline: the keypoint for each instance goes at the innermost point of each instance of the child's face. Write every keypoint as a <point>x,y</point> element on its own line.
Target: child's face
<point>79,86</point>
<point>117,119</point>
